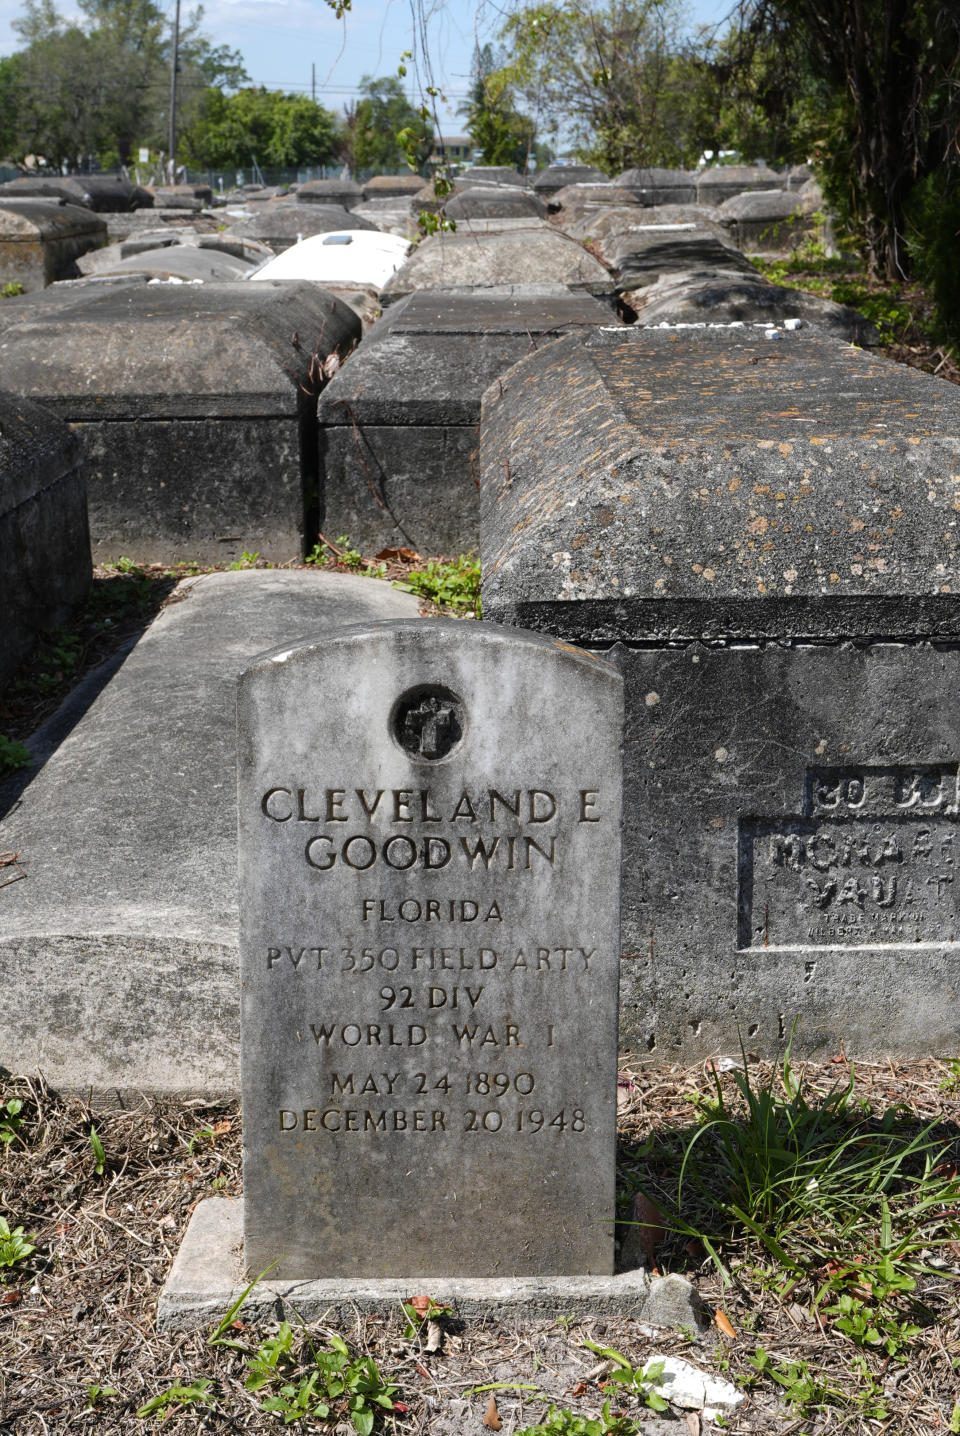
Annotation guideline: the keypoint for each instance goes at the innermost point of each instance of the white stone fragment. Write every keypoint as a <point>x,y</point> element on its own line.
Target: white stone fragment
<point>685,1385</point>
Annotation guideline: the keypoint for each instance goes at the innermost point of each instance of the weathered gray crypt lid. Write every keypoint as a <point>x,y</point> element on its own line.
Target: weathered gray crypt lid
<point>679,484</point>
<point>499,252</point>
<point>27,217</point>
<point>174,351</point>
<point>283,223</point>
<point>398,422</point>
<point>428,360</point>
<point>99,192</point>
<point>556,177</point>
<point>343,192</point>
<point>195,408</point>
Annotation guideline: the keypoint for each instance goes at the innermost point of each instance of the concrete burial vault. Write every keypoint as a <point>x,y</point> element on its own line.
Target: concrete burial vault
<point>43,527</point>
<point>398,424</point>
<point>40,240</point>
<point>120,945</point>
<point>195,409</point>
<point>499,252</point>
<point>766,536</point>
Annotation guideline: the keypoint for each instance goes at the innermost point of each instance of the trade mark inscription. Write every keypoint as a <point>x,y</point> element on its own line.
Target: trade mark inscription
<point>869,861</point>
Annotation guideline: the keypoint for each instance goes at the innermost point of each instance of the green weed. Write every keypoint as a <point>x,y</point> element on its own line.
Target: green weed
<point>417,1319</point>
<point>429,223</point>
<point>99,1155</point>
<point>638,1381</point>
<point>807,1392</point>
<point>887,309</point>
<point>951,1081</point>
<point>13,755</point>
<point>247,560</point>
<point>207,1136</point>
<point>271,1358</point>
<point>866,1295</point>
<point>815,1181</point>
<point>200,1139</point>
<point>14,1246</point>
<point>839,279</point>
<point>130,587</point>
<point>336,1384</point>
<point>96,1394</point>
<point>297,1400</point>
<point>11,290</point>
<point>218,1336</point>
<point>561,1421</point>
<point>178,1397</point>
<point>799,1386</point>
<point>452,585</point>
<point>344,555</point>
<point>500,1386</point>
<point>56,657</point>
<point>873,1323</point>
<point>10,1120</point>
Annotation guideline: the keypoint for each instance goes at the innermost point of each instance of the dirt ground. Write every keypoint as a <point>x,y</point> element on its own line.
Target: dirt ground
<point>79,1351</point>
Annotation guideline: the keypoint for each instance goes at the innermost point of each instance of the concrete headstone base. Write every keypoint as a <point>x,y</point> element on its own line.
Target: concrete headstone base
<point>207,1277</point>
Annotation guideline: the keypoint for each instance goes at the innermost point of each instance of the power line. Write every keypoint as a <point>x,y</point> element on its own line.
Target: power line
<point>295,87</point>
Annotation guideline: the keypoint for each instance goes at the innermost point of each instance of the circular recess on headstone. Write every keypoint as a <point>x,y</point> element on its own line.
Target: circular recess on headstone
<point>428,721</point>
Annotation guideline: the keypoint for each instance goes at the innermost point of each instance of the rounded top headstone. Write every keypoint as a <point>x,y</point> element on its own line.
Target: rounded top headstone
<point>443,799</point>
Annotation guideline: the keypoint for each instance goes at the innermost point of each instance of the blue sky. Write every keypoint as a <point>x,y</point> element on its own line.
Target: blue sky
<point>282,40</point>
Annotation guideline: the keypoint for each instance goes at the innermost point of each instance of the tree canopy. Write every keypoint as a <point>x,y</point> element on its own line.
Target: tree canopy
<point>273,128</point>
<point>619,77</point>
<point>497,128</point>
<point>369,131</point>
<point>885,77</point>
<point>101,85</point>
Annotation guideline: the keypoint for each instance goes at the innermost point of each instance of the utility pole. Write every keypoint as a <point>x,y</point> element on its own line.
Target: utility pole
<point>174,64</point>
<point>313,80</point>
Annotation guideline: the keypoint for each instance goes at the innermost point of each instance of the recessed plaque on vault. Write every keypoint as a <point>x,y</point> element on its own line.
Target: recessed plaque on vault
<point>870,862</point>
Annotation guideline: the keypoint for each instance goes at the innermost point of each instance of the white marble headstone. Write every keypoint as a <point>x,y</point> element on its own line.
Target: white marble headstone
<point>429,888</point>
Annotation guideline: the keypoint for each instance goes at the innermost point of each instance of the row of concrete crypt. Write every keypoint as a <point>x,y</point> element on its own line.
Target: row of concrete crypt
<point>660,456</point>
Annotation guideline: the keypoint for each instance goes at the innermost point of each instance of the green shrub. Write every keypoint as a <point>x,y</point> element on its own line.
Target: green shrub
<point>453,585</point>
<point>13,755</point>
<point>933,242</point>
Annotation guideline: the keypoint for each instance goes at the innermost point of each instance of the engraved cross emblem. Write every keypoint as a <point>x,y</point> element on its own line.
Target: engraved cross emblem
<point>428,722</point>
<point>431,728</point>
